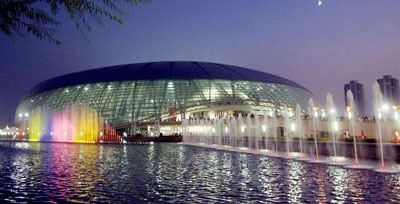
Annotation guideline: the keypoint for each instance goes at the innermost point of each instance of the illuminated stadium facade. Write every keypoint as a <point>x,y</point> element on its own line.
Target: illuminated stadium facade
<point>165,92</point>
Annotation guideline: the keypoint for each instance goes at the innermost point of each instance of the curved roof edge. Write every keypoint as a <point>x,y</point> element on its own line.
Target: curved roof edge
<point>184,70</point>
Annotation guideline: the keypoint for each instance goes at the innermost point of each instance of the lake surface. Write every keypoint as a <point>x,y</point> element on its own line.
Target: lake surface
<point>56,172</point>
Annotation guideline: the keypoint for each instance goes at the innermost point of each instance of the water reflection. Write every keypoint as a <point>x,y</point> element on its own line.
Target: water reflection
<point>20,173</point>
<point>339,179</point>
<point>270,179</point>
<point>173,173</point>
<point>295,176</point>
<point>324,186</point>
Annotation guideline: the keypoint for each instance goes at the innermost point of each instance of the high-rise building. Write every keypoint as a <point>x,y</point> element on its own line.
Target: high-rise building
<point>357,89</point>
<point>390,89</point>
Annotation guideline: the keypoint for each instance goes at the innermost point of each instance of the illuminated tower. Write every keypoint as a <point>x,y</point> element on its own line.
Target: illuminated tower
<point>390,89</point>
<point>358,92</point>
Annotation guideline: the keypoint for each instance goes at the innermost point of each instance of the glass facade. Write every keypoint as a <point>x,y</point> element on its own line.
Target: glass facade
<point>139,100</point>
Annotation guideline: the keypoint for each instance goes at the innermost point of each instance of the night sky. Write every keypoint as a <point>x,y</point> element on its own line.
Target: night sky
<point>320,47</point>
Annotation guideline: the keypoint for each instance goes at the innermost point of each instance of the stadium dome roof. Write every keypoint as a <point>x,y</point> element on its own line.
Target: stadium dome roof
<point>159,70</point>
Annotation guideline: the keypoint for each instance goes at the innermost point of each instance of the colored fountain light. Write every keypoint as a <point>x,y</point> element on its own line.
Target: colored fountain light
<point>74,124</point>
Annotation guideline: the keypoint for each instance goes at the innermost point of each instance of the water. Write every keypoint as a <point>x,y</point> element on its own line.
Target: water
<point>248,130</point>
<point>257,130</point>
<point>77,123</point>
<point>299,129</point>
<point>333,124</point>
<point>286,118</point>
<point>274,129</point>
<point>377,109</point>
<point>174,173</point>
<point>352,114</point>
<point>380,122</point>
<point>265,128</point>
<point>314,117</point>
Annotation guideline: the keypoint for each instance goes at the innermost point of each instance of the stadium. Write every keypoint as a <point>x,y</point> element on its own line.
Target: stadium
<point>151,98</point>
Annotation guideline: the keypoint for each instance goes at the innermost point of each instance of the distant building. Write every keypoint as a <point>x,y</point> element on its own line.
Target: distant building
<point>358,92</point>
<point>390,89</point>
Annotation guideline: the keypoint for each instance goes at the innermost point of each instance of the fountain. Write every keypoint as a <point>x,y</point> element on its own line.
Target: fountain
<point>313,113</point>
<point>247,134</point>
<point>215,132</point>
<point>300,133</point>
<point>378,104</point>
<point>265,130</point>
<point>77,123</point>
<point>274,126</point>
<point>221,132</point>
<point>248,130</point>
<point>352,114</point>
<point>199,125</point>
<point>333,127</point>
<point>257,131</point>
<point>235,132</point>
<point>228,130</point>
<point>287,125</point>
<point>351,110</point>
<point>241,132</point>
